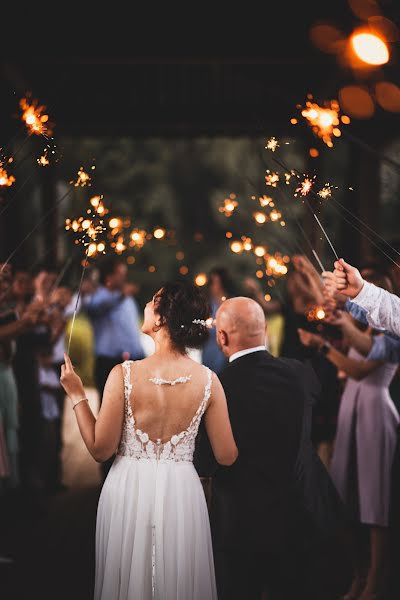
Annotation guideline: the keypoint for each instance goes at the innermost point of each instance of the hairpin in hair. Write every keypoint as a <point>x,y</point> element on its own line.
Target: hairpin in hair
<point>200,322</point>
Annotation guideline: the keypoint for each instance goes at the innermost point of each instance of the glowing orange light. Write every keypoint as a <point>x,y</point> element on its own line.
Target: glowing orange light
<point>274,215</point>
<point>229,205</point>
<point>370,48</point>
<point>304,187</point>
<point>201,279</point>
<point>35,118</point>
<point>259,274</point>
<point>43,160</point>
<point>159,233</point>
<point>183,270</point>
<point>236,247</point>
<point>5,179</point>
<point>267,297</point>
<point>265,200</point>
<point>272,144</point>
<point>83,179</point>
<point>271,178</point>
<point>260,217</point>
<point>259,251</point>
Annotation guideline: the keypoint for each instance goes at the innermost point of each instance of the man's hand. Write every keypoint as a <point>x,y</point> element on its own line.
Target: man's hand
<point>348,279</point>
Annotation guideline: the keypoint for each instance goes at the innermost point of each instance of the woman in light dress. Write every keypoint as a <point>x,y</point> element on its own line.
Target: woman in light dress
<point>153,535</point>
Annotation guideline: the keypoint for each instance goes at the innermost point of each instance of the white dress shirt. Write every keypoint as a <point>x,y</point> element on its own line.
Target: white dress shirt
<point>383,308</point>
<point>247,351</point>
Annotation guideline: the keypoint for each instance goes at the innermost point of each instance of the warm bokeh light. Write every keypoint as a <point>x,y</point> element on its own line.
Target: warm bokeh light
<point>260,217</point>
<point>370,48</point>
<point>130,260</point>
<point>388,96</point>
<point>180,255</point>
<point>115,223</point>
<point>271,178</point>
<point>183,270</point>
<point>324,120</point>
<point>152,269</point>
<point>265,200</point>
<point>259,274</point>
<point>5,179</point>
<point>357,101</point>
<point>236,247</point>
<point>259,251</point>
<point>201,279</point>
<point>159,233</point>
<point>313,152</point>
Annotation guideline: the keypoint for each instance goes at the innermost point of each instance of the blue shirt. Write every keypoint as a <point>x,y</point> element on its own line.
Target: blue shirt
<point>384,347</point>
<point>115,319</point>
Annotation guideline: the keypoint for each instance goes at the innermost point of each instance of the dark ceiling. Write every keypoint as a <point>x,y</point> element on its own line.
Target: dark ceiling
<point>166,95</point>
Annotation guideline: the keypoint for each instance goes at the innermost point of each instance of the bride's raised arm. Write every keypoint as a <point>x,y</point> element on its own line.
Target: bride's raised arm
<point>218,425</point>
<point>101,436</point>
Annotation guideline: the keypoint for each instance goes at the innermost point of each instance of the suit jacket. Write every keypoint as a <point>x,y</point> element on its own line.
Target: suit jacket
<point>260,502</point>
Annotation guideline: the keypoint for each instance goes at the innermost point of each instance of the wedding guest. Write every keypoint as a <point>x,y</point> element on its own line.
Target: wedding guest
<point>364,451</point>
<point>220,287</point>
<point>305,293</point>
<point>275,322</point>
<point>115,318</point>
<point>49,387</point>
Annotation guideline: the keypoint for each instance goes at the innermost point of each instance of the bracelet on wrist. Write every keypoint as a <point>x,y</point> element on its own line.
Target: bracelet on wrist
<point>75,404</point>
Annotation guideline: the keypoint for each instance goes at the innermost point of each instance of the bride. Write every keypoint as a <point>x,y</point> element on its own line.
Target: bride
<point>152,534</point>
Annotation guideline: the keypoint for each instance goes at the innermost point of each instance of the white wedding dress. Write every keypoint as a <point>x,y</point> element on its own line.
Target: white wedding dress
<point>153,534</point>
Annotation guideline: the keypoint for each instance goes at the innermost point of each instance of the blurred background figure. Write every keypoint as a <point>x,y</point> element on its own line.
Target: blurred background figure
<point>114,314</point>
<point>364,445</point>
<point>220,287</point>
<point>49,390</point>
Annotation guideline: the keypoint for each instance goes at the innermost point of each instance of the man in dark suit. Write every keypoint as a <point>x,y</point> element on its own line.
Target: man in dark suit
<point>261,505</point>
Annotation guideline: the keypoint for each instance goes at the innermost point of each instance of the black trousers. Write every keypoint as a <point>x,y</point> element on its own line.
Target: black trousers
<point>102,369</point>
<point>246,575</point>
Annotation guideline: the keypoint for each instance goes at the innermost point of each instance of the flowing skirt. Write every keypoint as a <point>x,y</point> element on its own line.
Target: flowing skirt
<point>153,534</point>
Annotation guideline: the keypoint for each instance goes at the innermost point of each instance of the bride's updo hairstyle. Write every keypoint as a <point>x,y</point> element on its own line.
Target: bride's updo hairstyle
<point>180,306</point>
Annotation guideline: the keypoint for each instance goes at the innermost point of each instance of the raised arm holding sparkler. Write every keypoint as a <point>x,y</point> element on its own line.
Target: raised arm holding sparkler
<point>382,307</point>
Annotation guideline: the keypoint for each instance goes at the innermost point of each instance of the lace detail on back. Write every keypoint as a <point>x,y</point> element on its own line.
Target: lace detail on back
<point>137,444</point>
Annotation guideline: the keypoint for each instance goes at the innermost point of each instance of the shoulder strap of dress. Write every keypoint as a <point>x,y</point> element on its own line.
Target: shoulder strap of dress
<point>126,370</point>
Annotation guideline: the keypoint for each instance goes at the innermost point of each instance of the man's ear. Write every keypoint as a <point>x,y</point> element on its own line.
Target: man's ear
<point>223,338</point>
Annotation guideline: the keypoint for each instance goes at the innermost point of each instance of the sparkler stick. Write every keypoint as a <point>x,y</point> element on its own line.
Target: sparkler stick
<point>77,300</point>
<point>326,235</point>
<point>321,266</point>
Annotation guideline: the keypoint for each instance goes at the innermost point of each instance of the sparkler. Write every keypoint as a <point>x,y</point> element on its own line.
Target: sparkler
<point>272,144</point>
<point>229,205</point>
<point>5,179</point>
<point>316,314</point>
<point>35,118</point>
<point>321,266</point>
<point>265,200</point>
<point>83,179</point>
<point>325,192</point>
<point>305,187</point>
<point>43,160</point>
<point>324,121</point>
<point>272,178</point>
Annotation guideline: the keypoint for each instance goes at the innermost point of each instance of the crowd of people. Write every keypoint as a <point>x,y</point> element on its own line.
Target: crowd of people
<point>355,416</point>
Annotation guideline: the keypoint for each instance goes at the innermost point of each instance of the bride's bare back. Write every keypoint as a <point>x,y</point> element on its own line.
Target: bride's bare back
<point>166,395</point>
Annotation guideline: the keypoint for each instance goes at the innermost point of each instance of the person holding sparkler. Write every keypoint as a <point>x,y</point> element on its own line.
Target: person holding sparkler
<point>153,533</point>
<point>365,445</point>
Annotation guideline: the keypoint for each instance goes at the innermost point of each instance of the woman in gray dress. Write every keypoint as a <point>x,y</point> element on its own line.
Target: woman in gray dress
<point>364,446</point>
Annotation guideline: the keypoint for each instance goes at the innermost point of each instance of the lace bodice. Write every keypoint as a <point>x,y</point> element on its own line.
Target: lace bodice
<point>137,444</point>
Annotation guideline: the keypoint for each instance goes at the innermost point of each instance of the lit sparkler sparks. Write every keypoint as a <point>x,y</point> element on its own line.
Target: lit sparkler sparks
<point>275,215</point>
<point>324,121</point>
<point>305,186</point>
<point>35,118</point>
<point>325,192</point>
<point>275,265</point>
<point>316,314</point>
<point>138,238</point>
<point>265,200</point>
<point>6,180</point>
<point>43,160</point>
<point>229,205</point>
<point>271,178</point>
<point>83,179</point>
<point>272,144</point>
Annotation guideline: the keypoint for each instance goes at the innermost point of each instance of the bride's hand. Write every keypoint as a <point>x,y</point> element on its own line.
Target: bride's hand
<point>70,381</point>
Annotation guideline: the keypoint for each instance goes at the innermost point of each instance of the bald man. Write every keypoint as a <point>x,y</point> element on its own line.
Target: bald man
<point>260,504</point>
